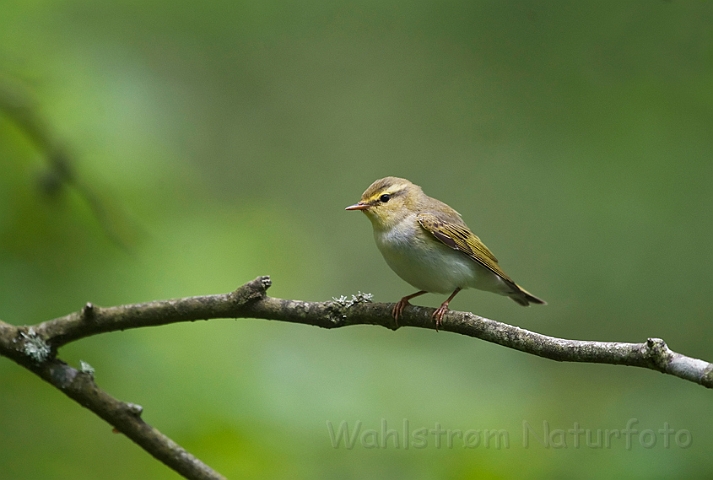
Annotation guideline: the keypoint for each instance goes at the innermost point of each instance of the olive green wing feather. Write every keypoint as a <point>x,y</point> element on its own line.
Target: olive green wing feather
<point>459,237</point>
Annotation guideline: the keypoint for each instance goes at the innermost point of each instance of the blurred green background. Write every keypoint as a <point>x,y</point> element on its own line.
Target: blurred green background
<point>224,140</point>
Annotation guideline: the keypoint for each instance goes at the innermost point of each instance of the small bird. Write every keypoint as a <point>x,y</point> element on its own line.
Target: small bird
<point>429,246</point>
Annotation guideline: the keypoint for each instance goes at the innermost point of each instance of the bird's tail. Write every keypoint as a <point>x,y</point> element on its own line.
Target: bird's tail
<point>525,298</point>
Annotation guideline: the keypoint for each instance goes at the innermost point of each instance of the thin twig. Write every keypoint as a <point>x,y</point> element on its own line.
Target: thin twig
<point>21,108</point>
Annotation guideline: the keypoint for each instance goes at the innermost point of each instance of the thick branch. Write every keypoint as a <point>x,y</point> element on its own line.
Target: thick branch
<point>35,347</point>
<point>251,301</point>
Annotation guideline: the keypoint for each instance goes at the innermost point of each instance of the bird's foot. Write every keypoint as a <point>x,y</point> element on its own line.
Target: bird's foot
<point>439,313</point>
<point>399,308</point>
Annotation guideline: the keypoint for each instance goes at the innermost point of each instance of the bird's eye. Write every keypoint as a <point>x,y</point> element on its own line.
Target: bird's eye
<point>385,198</point>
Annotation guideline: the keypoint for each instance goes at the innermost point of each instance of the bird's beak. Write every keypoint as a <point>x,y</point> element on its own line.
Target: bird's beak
<point>358,206</point>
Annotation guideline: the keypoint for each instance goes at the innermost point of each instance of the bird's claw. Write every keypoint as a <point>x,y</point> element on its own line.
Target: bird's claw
<point>398,309</point>
<point>438,315</point>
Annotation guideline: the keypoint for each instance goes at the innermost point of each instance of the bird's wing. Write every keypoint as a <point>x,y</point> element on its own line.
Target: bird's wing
<point>459,237</point>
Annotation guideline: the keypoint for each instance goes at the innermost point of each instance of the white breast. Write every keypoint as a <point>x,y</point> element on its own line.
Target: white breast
<point>428,265</point>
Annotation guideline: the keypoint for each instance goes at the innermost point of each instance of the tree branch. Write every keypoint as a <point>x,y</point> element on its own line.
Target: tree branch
<point>251,301</point>
<point>35,348</point>
<point>25,347</point>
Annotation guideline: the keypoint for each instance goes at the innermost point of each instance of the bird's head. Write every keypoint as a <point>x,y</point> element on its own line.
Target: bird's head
<point>388,200</point>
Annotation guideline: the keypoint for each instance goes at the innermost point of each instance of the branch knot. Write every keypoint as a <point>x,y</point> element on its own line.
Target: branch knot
<point>658,353</point>
<point>88,312</point>
<point>251,291</point>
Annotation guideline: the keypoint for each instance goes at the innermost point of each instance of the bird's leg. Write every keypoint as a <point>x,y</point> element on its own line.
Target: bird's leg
<point>440,311</point>
<point>399,307</point>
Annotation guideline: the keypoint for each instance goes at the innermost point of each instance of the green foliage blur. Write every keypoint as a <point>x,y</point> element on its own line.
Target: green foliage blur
<point>223,141</point>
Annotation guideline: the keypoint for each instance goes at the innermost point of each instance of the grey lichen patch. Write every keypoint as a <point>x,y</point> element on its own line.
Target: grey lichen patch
<point>84,367</point>
<point>35,347</point>
<point>135,409</point>
<point>360,297</point>
<point>337,311</point>
<point>341,300</point>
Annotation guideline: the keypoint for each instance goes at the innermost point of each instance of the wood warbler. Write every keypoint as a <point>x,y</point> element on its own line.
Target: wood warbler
<point>428,245</point>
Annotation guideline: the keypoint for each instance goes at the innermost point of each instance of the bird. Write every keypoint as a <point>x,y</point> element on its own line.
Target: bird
<point>427,244</point>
